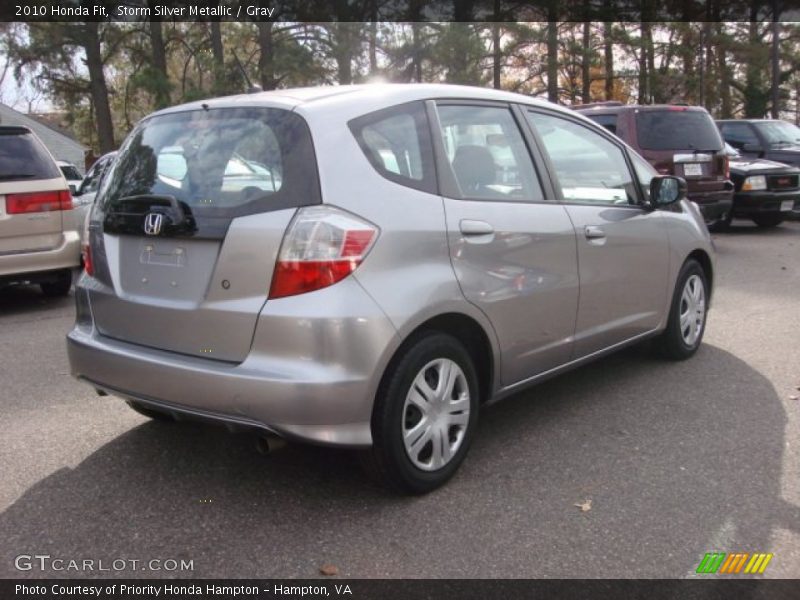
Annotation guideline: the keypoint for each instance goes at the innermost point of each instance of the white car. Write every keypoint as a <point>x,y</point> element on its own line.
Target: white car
<point>71,173</point>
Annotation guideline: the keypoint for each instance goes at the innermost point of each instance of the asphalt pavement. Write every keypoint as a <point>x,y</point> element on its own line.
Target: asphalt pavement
<point>672,460</point>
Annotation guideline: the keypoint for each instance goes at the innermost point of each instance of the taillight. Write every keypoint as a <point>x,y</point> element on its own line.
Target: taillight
<point>17,204</point>
<point>727,167</point>
<point>322,245</point>
<point>86,254</point>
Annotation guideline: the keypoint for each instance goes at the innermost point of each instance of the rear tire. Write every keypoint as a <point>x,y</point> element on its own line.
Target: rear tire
<point>425,415</point>
<point>58,287</point>
<point>149,412</point>
<point>688,314</point>
<point>767,221</point>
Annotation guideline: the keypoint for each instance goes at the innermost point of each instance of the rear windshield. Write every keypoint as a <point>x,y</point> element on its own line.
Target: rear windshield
<point>22,157</point>
<point>217,163</point>
<point>677,130</point>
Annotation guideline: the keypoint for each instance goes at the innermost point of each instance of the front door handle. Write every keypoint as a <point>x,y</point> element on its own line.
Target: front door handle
<point>469,227</point>
<point>593,232</point>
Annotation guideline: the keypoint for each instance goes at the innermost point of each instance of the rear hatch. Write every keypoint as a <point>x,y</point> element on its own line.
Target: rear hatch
<point>33,194</point>
<point>684,141</point>
<point>188,223</point>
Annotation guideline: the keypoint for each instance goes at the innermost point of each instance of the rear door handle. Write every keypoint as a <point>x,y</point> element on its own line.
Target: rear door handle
<point>593,232</point>
<point>469,227</point>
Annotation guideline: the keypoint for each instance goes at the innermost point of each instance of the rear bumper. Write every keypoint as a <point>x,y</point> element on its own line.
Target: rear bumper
<point>67,255</point>
<point>765,202</point>
<point>322,393</point>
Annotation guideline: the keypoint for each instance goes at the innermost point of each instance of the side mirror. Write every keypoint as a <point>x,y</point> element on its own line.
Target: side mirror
<point>73,189</point>
<point>666,190</point>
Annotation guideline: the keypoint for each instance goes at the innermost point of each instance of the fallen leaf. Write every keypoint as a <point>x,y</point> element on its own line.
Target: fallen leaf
<point>329,570</point>
<point>585,506</point>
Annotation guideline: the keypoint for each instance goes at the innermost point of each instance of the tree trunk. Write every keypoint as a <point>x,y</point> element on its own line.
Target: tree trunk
<point>726,105</point>
<point>343,41</point>
<point>688,53</point>
<point>644,78</point>
<point>266,59</point>
<point>497,56</point>
<point>586,63</point>
<point>98,87</point>
<point>373,37</point>
<point>552,55</point>
<point>159,63</point>
<point>218,54</point>
<point>775,90</point>
<point>416,51</point>
<point>608,48</point>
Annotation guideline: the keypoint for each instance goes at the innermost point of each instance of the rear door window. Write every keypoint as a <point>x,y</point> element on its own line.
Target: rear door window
<point>677,129</point>
<point>212,164</point>
<point>487,154</point>
<point>22,156</point>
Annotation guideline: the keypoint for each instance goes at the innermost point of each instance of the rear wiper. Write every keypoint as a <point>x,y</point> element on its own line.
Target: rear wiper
<point>17,175</point>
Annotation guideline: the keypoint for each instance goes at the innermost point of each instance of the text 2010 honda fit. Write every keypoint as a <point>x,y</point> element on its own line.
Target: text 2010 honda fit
<point>366,266</point>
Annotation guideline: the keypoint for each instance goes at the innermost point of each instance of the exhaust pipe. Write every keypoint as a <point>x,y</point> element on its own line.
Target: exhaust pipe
<point>269,443</point>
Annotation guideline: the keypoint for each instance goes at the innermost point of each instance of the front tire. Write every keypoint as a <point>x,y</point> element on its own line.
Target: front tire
<point>767,221</point>
<point>425,415</point>
<point>688,312</point>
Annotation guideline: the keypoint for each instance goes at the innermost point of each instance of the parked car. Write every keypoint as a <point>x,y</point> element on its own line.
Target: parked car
<point>677,140</point>
<point>85,194</point>
<point>71,174</point>
<point>763,138</point>
<point>393,279</point>
<point>39,241</point>
<point>767,192</point>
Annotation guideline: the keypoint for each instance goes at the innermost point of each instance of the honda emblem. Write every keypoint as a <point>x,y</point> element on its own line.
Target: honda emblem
<point>152,223</point>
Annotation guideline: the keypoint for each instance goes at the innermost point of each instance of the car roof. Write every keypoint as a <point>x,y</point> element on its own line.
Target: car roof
<point>605,109</point>
<point>324,98</point>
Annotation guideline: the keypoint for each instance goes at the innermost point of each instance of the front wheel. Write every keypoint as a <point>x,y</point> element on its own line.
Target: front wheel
<point>766,221</point>
<point>688,312</point>
<point>425,415</point>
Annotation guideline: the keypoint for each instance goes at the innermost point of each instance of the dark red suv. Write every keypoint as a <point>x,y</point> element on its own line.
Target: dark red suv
<point>676,140</point>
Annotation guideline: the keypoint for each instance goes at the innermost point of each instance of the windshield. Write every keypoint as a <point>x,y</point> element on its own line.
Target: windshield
<point>217,163</point>
<point>677,129</point>
<point>778,133</point>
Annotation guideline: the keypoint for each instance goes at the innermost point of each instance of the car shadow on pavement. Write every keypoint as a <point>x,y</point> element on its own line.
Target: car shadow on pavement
<point>19,299</point>
<point>674,460</point>
<point>745,226</point>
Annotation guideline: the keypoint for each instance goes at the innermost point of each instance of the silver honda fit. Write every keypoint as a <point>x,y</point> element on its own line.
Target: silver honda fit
<point>366,266</point>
